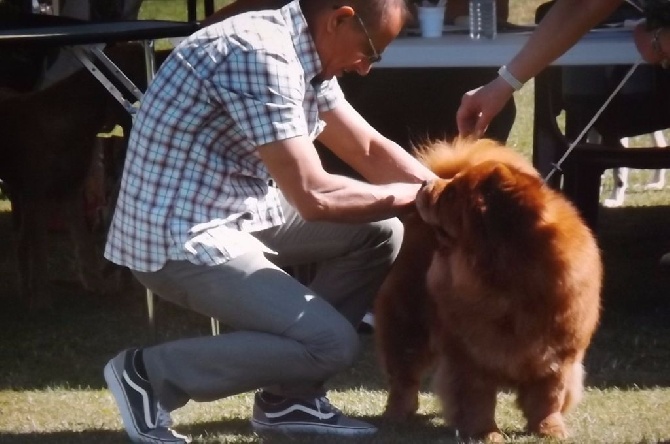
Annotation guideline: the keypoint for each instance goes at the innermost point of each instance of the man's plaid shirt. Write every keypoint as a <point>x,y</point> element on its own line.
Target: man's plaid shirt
<point>193,185</point>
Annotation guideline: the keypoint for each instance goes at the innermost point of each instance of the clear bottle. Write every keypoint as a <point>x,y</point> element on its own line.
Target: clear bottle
<point>483,19</point>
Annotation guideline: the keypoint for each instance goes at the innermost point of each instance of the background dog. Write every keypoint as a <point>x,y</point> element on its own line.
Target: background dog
<point>48,162</point>
<point>498,283</point>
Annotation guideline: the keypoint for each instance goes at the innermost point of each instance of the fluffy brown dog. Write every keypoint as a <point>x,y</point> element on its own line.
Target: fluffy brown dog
<point>498,283</point>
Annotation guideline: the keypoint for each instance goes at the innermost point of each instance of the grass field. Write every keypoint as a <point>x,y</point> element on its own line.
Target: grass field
<point>52,390</point>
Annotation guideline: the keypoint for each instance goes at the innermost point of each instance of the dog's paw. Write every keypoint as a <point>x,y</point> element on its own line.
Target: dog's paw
<point>494,437</point>
<point>401,406</point>
<point>552,426</point>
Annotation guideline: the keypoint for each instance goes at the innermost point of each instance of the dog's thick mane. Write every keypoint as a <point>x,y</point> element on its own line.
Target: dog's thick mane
<point>446,159</point>
<point>530,225</point>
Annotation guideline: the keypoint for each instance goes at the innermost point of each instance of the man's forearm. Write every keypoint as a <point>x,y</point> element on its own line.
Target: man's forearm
<point>346,200</point>
<point>389,162</point>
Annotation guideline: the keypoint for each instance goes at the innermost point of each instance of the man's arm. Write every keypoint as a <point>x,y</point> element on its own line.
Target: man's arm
<point>379,160</point>
<point>318,195</point>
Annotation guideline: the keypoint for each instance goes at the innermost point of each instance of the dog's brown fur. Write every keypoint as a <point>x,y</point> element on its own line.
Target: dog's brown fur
<point>48,140</point>
<point>503,291</point>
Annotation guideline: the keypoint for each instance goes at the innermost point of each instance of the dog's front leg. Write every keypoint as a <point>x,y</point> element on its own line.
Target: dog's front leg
<point>468,396</point>
<point>403,321</point>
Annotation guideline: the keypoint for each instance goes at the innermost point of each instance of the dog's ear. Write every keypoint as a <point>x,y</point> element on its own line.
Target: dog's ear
<point>508,201</point>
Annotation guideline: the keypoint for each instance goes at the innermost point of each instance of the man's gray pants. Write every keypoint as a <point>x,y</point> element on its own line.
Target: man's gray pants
<point>285,337</point>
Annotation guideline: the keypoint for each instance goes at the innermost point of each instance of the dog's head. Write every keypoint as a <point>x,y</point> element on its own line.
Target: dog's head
<point>487,204</point>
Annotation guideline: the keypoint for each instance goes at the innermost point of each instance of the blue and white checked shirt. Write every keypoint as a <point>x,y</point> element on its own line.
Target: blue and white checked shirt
<point>193,185</point>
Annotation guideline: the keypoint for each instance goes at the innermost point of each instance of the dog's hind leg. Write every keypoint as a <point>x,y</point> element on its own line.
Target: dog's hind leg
<point>542,402</point>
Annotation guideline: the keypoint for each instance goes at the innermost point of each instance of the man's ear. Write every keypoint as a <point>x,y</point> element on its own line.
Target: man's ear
<point>340,15</point>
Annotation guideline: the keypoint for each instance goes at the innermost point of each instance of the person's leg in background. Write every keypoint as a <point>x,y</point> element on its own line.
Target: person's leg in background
<point>131,9</point>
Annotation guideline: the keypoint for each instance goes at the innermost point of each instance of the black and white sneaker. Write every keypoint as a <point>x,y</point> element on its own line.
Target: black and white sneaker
<point>289,415</point>
<point>144,419</point>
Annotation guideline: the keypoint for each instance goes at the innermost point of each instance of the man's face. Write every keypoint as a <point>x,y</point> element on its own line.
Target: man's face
<point>346,43</point>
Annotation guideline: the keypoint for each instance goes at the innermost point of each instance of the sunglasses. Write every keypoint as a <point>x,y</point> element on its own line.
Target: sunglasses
<point>376,56</point>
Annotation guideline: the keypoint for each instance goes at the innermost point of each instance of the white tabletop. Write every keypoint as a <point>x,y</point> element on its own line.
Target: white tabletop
<point>599,47</point>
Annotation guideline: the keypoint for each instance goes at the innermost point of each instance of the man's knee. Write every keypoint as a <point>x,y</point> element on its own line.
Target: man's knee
<point>333,349</point>
<point>388,237</point>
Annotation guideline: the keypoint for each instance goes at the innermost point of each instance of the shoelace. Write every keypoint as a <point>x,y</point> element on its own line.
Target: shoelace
<point>163,417</point>
<point>328,407</point>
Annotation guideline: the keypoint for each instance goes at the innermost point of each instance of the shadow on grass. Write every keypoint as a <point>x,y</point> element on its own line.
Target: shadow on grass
<point>228,427</point>
<point>87,436</point>
<point>209,431</point>
<point>69,346</point>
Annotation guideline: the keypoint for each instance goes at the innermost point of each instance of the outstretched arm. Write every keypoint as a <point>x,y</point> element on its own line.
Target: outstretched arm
<point>565,23</point>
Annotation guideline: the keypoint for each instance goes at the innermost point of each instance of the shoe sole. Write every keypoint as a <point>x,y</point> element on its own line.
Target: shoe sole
<point>301,428</point>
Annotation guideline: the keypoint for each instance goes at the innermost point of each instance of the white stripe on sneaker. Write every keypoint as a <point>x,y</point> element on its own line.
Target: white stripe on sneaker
<point>301,408</point>
<point>145,401</point>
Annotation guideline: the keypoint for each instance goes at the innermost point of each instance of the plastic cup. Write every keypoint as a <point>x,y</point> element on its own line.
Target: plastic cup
<point>431,20</point>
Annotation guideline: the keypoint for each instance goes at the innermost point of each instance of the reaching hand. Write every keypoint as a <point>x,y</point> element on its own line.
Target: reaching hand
<point>480,106</point>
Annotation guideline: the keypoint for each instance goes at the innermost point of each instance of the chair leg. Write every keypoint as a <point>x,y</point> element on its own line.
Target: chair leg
<point>216,328</point>
<point>151,313</point>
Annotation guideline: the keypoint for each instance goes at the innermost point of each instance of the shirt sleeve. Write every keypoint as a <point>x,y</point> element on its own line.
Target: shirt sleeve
<point>329,94</point>
<point>263,92</point>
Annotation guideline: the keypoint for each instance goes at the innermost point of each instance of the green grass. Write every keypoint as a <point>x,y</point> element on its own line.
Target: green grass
<point>52,390</point>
